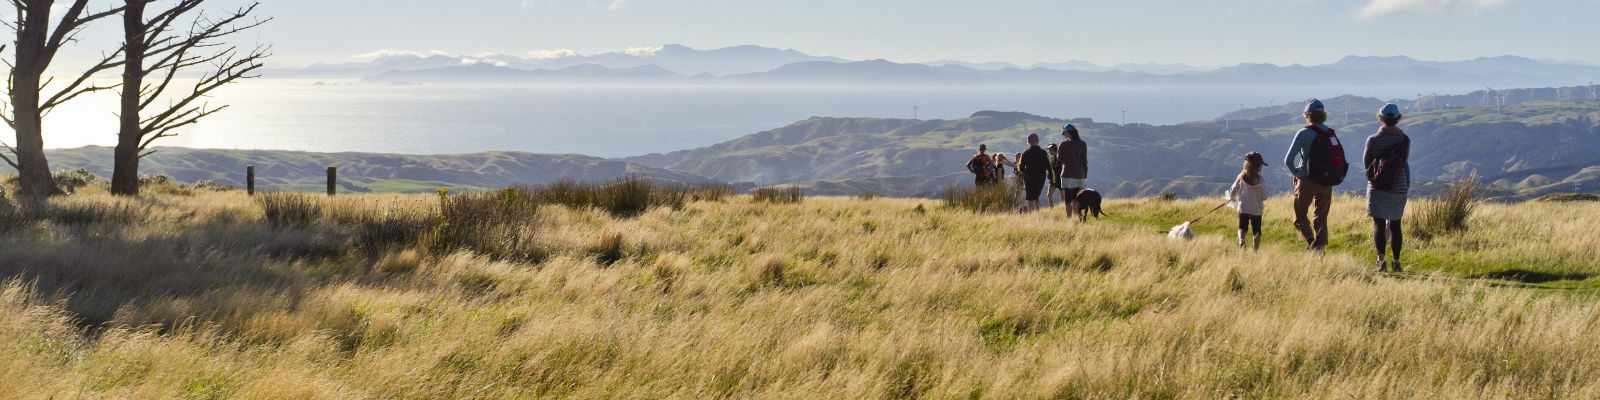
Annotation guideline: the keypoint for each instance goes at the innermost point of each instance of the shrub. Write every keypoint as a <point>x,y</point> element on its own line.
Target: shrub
<point>286,210</point>
<point>1448,211</point>
<point>991,198</point>
<point>775,195</point>
<point>212,186</point>
<point>72,179</point>
<point>868,196</point>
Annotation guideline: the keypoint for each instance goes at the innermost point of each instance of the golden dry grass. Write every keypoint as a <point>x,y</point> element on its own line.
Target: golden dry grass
<point>171,296</point>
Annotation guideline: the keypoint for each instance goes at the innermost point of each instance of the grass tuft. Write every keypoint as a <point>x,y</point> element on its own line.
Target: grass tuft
<point>983,199</point>
<point>1449,211</point>
<point>776,195</point>
<point>290,210</point>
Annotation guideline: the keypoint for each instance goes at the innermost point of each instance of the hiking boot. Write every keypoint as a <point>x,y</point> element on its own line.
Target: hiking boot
<point>1381,267</point>
<point>1395,266</point>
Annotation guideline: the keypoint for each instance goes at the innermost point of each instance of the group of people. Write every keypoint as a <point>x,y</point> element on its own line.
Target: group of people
<point>1315,158</point>
<point>1317,161</point>
<point>1062,168</point>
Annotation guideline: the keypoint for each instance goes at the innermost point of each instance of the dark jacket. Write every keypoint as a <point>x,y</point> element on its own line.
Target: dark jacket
<point>1035,164</point>
<point>1073,159</point>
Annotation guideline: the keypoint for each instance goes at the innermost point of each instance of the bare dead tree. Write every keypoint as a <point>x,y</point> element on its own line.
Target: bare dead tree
<point>35,48</point>
<point>155,53</point>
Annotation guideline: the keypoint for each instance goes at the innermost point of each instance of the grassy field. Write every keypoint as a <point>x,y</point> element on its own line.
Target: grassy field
<point>198,294</point>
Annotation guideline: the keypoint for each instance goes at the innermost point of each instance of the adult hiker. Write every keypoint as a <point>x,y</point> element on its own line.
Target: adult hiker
<point>1316,158</point>
<point>1034,166</point>
<point>1387,160</point>
<point>1073,161</point>
<point>981,167</point>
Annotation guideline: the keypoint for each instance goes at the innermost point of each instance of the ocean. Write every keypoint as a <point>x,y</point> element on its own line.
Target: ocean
<point>619,120</point>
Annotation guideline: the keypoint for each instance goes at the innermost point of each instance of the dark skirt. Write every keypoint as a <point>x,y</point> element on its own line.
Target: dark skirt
<point>1386,205</point>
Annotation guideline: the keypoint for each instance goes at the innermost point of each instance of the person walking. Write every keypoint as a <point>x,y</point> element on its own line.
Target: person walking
<point>1387,159</point>
<point>1034,168</point>
<point>1073,161</point>
<point>1316,159</point>
<point>1249,195</point>
<point>980,167</point>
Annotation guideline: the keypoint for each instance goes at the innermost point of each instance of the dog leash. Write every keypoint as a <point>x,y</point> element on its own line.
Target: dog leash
<point>1208,213</point>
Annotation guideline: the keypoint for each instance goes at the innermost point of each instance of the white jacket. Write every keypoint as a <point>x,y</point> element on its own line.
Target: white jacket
<point>1247,198</point>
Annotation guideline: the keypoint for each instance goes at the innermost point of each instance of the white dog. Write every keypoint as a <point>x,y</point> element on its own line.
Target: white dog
<point>1181,232</point>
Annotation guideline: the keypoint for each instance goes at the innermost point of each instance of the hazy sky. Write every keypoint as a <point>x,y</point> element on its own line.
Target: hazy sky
<point>1022,31</point>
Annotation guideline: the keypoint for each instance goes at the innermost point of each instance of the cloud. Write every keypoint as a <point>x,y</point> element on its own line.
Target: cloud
<point>393,53</point>
<point>476,61</point>
<point>642,51</point>
<point>1378,8</point>
<point>551,54</point>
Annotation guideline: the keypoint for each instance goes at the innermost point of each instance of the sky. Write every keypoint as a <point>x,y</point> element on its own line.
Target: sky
<point>1212,33</point>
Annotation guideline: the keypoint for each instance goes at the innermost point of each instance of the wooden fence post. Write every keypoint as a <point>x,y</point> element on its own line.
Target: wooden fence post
<point>333,180</point>
<point>250,179</point>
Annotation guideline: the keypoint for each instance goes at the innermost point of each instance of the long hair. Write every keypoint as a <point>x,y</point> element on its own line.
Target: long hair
<point>1075,137</point>
<point>1251,173</point>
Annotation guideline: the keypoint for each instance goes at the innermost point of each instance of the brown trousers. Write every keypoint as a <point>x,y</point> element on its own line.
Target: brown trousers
<point>1314,231</point>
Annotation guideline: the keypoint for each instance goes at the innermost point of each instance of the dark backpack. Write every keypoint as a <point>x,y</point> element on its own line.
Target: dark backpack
<point>1327,164</point>
<point>1384,171</point>
<point>978,166</point>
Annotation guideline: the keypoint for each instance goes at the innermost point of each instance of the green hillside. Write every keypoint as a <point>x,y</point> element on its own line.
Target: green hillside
<point>916,158</point>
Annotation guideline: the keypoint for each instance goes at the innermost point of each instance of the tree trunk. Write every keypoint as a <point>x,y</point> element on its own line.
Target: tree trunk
<point>125,170</point>
<point>34,169</point>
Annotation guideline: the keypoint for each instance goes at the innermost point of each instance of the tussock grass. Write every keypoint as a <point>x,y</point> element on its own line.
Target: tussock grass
<point>289,210</point>
<point>1448,211</point>
<point>202,296</point>
<point>777,195</point>
<point>987,199</point>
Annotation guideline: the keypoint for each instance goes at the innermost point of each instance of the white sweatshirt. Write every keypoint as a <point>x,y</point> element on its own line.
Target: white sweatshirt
<point>1247,198</point>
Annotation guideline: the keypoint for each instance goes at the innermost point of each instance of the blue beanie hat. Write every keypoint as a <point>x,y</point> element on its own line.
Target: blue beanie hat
<point>1389,111</point>
<point>1315,105</point>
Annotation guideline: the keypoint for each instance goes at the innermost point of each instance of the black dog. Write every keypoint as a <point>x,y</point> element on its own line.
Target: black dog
<point>1089,202</point>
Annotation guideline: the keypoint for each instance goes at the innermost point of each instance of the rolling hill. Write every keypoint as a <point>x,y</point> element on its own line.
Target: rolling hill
<point>918,158</point>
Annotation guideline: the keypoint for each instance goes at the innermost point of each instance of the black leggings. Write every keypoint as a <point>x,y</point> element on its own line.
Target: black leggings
<point>1387,233</point>
<point>1250,223</point>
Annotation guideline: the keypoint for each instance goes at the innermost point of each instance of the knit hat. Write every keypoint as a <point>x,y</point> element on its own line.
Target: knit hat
<point>1033,138</point>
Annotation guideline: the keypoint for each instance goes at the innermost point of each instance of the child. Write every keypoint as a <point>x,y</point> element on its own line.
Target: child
<point>1249,195</point>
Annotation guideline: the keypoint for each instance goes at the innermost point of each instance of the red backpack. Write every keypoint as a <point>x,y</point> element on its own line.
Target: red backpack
<point>1326,163</point>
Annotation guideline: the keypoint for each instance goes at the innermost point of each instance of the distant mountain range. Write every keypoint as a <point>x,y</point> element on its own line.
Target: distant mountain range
<point>762,65</point>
